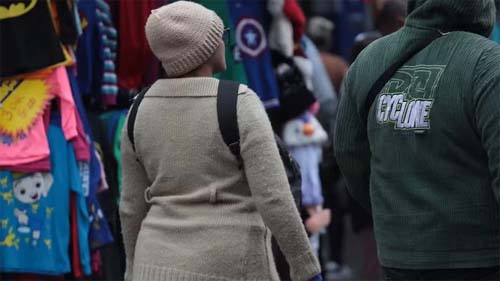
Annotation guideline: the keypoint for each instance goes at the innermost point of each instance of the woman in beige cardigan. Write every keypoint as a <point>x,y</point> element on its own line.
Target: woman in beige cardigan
<point>187,211</point>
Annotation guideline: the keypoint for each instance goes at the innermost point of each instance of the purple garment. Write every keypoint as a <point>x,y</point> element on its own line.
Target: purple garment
<point>309,157</point>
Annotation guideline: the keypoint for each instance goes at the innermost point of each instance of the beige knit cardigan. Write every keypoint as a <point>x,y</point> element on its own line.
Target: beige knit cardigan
<point>188,213</point>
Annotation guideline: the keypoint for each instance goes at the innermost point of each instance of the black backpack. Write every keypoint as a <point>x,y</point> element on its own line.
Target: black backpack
<point>227,97</point>
<point>379,84</point>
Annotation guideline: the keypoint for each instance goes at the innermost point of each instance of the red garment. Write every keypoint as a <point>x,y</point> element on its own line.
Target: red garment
<point>294,13</point>
<point>134,55</point>
<point>33,167</point>
<point>75,245</point>
<point>153,72</point>
<point>96,263</point>
<point>80,143</point>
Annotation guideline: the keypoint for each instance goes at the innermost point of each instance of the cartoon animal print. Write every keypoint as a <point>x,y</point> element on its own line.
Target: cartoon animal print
<point>29,189</point>
<point>7,196</point>
<point>3,182</point>
<point>10,240</point>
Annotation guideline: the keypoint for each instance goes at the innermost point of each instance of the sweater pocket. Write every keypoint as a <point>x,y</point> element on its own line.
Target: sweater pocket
<point>270,255</point>
<point>256,260</point>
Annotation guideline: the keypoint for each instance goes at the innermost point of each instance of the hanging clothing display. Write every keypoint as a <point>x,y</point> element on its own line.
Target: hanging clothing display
<point>35,218</point>
<point>114,121</point>
<point>22,102</point>
<point>97,53</point>
<point>49,173</point>
<point>295,14</point>
<point>133,51</point>
<point>109,88</point>
<point>248,18</point>
<point>19,35</point>
<point>34,146</point>
<point>99,233</point>
<point>89,44</point>
<point>68,30</point>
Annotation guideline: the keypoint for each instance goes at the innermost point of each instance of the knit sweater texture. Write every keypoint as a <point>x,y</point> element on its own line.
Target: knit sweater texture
<point>427,161</point>
<point>187,211</point>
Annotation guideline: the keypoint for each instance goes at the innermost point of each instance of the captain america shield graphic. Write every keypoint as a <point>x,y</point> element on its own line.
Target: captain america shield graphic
<point>250,37</point>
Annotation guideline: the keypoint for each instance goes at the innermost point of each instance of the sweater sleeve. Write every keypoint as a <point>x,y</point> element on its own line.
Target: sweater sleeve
<point>351,147</point>
<point>486,103</point>
<point>269,186</point>
<point>133,207</point>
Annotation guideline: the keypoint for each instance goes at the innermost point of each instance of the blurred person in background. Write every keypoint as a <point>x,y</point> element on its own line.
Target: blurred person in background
<point>362,41</point>
<point>391,16</point>
<point>320,31</point>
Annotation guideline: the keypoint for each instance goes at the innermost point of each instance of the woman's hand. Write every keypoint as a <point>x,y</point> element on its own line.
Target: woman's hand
<point>318,221</point>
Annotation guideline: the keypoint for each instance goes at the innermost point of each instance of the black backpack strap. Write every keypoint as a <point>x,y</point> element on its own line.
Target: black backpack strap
<point>227,98</point>
<point>133,113</point>
<point>387,75</point>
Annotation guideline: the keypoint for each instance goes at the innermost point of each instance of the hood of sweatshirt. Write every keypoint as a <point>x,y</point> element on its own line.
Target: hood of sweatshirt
<point>476,16</point>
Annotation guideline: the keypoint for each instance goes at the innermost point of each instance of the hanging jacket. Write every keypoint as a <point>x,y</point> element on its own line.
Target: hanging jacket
<point>427,160</point>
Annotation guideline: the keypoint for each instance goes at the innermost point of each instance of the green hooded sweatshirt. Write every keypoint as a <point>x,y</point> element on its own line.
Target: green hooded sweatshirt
<point>427,161</point>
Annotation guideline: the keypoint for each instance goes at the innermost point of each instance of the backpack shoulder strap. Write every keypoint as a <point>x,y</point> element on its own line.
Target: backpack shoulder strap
<point>133,113</point>
<point>227,98</point>
<point>387,75</point>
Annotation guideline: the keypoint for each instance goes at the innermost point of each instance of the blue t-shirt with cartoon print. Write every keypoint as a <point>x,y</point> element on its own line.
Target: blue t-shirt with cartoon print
<point>34,213</point>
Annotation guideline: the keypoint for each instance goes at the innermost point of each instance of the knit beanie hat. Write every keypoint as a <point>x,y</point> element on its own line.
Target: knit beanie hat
<point>183,35</point>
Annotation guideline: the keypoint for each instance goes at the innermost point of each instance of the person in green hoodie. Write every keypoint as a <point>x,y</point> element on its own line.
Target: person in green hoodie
<point>426,161</point>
